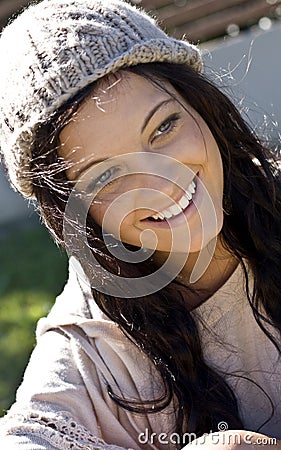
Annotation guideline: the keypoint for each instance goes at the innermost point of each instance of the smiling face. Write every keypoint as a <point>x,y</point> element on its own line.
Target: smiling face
<point>168,163</point>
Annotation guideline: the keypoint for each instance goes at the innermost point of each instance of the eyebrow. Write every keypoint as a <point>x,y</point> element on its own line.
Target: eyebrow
<point>154,110</point>
<point>145,123</point>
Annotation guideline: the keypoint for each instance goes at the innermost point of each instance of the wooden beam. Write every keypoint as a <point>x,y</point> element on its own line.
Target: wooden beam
<point>195,10</point>
<point>155,4</point>
<point>216,24</point>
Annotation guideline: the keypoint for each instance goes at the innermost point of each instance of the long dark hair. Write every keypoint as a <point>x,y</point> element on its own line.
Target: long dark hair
<point>161,324</point>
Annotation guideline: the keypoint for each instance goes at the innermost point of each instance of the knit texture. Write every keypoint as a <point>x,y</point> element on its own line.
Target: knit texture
<point>57,47</point>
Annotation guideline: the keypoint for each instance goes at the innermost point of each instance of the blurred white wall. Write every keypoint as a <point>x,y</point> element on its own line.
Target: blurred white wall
<point>249,63</point>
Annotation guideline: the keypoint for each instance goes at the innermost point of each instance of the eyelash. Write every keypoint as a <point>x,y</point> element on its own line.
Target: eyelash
<point>171,121</point>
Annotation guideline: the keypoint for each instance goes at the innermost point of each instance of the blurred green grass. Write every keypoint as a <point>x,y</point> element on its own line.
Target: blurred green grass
<point>32,272</point>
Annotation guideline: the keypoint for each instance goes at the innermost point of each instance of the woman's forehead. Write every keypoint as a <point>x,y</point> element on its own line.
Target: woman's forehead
<point>111,120</point>
<point>114,102</point>
<point>119,90</point>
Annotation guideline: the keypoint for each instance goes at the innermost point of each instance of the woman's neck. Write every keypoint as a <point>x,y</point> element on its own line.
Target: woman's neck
<point>207,273</point>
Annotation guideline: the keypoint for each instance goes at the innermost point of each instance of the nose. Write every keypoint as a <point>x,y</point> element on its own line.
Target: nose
<point>158,177</point>
<point>150,185</point>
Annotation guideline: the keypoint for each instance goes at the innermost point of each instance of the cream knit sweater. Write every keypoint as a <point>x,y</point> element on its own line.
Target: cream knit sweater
<point>63,402</point>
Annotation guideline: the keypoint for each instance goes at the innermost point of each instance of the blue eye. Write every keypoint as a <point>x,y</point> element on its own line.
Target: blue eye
<point>103,179</point>
<point>167,126</point>
<point>105,176</point>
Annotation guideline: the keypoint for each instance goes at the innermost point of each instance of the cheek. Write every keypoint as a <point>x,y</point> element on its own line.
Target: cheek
<point>121,226</point>
<point>97,213</point>
<point>192,145</point>
<point>129,233</point>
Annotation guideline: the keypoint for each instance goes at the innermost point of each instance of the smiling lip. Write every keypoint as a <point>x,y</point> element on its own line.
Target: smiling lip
<point>174,214</point>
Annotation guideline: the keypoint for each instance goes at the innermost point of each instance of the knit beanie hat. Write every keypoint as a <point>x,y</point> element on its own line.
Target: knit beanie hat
<point>57,47</point>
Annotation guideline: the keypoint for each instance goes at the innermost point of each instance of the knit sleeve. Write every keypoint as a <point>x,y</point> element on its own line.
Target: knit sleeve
<point>54,409</point>
<point>45,431</point>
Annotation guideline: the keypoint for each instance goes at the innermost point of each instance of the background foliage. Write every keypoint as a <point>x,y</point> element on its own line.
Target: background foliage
<point>32,272</point>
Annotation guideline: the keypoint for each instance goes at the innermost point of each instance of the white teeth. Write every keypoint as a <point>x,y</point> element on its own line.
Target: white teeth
<point>159,215</point>
<point>167,214</point>
<point>191,187</point>
<point>177,208</point>
<point>184,202</point>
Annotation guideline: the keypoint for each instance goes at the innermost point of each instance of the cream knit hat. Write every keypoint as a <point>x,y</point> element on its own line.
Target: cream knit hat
<point>55,48</point>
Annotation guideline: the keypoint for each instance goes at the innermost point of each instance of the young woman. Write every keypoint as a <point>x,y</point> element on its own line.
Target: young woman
<point>169,208</point>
